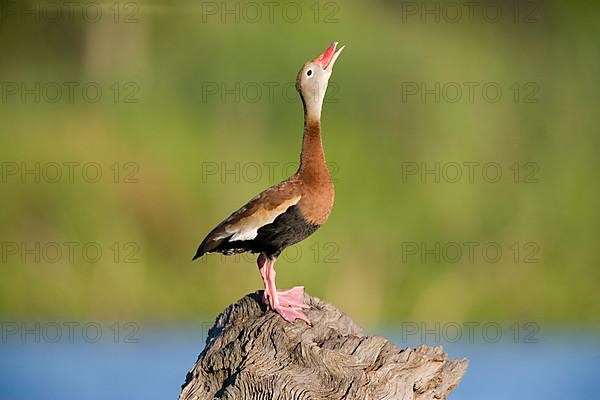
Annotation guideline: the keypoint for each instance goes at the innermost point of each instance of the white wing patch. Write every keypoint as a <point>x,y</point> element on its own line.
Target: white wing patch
<point>247,228</point>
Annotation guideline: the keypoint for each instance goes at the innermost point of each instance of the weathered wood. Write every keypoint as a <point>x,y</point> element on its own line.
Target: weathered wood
<point>252,353</point>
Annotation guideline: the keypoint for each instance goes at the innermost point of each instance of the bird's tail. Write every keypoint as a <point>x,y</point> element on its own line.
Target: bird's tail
<point>210,243</point>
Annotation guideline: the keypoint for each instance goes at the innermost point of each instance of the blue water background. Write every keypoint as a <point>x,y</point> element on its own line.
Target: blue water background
<point>560,366</point>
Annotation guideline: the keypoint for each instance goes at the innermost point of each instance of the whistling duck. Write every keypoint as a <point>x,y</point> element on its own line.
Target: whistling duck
<point>292,210</point>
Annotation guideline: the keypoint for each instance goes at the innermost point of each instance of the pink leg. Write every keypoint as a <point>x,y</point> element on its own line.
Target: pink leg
<point>288,303</point>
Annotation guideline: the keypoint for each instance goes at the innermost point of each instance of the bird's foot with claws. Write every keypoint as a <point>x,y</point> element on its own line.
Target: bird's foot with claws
<point>288,303</point>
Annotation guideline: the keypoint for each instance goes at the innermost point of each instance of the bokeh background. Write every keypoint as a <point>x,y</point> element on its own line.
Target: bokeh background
<point>197,114</point>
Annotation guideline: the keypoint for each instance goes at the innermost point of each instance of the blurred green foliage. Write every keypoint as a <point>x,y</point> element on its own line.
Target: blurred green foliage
<point>177,51</point>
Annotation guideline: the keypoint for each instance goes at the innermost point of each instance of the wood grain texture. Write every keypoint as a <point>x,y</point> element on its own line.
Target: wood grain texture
<point>252,353</point>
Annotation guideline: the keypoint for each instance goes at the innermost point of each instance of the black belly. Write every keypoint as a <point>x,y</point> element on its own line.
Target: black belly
<point>287,229</point>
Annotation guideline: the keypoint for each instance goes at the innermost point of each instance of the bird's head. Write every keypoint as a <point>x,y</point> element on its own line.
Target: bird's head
<point>312,80</point>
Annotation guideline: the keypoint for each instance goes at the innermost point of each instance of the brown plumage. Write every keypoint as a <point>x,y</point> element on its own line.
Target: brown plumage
<point>310,189</point>
<point>292,210</point>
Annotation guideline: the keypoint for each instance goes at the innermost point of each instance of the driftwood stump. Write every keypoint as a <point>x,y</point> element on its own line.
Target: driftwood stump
<point>252,353</point>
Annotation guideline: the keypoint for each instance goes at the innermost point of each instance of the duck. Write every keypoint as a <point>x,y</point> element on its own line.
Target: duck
<point>292,210</point>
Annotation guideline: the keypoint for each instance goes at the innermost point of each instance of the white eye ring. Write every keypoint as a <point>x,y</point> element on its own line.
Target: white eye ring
<point>309,72</point>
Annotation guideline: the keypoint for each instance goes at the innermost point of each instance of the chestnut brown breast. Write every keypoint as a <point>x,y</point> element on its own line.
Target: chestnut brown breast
<point>317,199</point>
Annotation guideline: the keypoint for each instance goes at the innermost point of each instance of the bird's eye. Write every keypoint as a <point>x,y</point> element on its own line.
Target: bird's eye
<point>309,72</point>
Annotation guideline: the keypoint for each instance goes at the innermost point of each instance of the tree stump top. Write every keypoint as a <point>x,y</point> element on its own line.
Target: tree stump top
<point>252,353</point>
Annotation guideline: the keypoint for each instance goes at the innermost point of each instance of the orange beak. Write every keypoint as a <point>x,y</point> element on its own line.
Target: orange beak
<point>328,58</point>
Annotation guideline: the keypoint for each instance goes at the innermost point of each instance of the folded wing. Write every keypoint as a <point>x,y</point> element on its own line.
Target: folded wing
<point>243,225</point>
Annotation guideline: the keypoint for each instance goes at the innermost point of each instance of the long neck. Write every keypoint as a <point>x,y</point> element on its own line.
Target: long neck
<point>312,101</point>
<point>313,166</point>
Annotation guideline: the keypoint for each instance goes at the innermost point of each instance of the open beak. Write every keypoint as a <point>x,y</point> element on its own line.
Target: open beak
<point>327,59</point>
